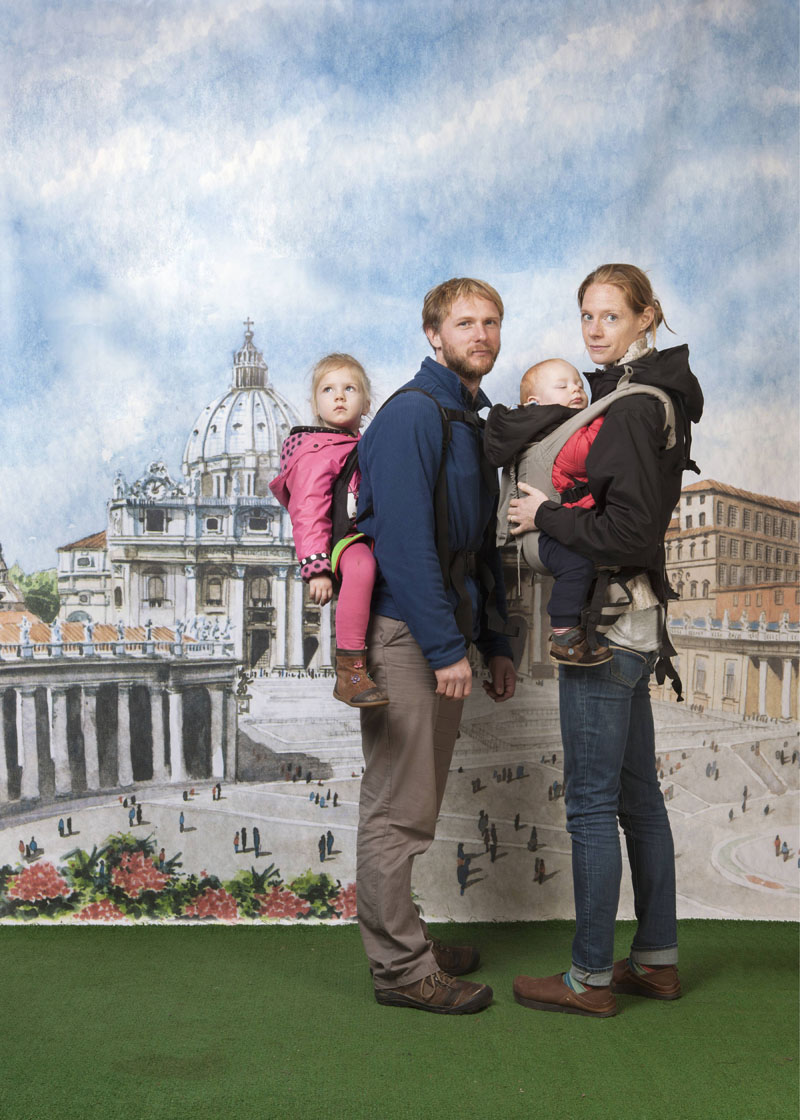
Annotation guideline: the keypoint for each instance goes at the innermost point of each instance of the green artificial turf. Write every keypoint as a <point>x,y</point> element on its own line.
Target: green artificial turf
<point>279,1021</point>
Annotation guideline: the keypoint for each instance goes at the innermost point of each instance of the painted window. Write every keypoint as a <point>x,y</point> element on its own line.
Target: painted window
<point>700,668</point>
<point>729,682</point>
<point>214,591</point>
<point>155,591</point>
<point>259,592</point>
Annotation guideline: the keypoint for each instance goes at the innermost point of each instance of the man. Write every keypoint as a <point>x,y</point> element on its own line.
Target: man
<point>416,651</point>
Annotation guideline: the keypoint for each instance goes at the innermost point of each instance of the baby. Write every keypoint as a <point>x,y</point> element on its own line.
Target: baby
<point>550,392</point>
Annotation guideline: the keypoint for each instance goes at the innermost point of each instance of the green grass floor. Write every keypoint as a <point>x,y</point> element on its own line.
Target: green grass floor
<point>279,1021</point>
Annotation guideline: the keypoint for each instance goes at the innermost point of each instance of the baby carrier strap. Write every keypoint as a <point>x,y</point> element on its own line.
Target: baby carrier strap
<point>534,465</point>
<point>551,445</point>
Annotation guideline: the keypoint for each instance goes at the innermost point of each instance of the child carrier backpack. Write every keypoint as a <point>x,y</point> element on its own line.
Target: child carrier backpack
<point>455,565</point>
<point>534,466</point>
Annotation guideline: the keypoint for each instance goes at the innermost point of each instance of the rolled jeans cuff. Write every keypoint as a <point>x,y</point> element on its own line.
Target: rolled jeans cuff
<point>655,957</point>
<point>600,979</point>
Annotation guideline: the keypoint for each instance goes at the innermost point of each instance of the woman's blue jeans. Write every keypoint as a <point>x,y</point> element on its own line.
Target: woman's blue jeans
<point>610,774</point>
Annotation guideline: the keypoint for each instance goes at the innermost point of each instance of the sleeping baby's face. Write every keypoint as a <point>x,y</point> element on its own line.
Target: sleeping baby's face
<point>553,382</point>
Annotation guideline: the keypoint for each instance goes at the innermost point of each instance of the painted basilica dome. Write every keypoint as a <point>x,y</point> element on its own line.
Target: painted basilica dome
<point>248,422</point>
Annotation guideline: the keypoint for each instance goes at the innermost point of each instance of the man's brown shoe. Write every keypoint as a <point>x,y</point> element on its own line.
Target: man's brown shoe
<point>456,960</point>
<point>661,983</point>
<point>440,993</point>
<point>552,994</point>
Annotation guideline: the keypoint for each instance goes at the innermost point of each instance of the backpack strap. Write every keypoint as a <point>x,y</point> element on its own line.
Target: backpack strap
<point>441,530</point>
<point>457,566</point>
<point>341,521</point>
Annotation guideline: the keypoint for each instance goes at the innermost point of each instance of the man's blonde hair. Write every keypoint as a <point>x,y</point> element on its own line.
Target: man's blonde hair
<point>438,301</point>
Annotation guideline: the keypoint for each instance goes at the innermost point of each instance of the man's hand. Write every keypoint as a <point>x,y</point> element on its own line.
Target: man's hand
<point>504,679</point>
<point>454,681</point>
<point>522,511</point>
<point>320,588</point>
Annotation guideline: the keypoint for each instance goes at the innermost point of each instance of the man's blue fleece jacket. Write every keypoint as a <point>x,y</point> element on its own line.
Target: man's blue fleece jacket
<point>399,457</point>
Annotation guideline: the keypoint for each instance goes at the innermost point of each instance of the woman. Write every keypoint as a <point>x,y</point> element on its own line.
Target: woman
<point>606,720</point>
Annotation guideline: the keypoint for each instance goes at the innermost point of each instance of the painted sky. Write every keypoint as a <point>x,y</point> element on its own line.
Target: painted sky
<point>171,168</point>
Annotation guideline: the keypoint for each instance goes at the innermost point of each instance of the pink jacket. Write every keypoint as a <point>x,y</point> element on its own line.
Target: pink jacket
<point>311,459</point>
<point>570,465</point>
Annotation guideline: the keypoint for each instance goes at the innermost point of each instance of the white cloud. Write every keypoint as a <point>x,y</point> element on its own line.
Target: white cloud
<point>753,446</point>
<point>129,153</point>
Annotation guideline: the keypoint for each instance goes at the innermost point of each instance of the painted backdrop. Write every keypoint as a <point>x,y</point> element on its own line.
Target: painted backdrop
<point>171,170</point>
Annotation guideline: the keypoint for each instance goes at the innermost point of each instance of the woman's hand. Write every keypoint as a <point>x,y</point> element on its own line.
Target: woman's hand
<point>320,589</point>
<point>522,511</point>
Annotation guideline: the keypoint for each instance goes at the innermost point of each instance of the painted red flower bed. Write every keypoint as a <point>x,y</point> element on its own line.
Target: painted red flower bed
<point>137,873</point>
<point>345,902</point>
<point>213,904</point>
<point>40,881</point>
<point>280,903</point>
<point>104,911</point>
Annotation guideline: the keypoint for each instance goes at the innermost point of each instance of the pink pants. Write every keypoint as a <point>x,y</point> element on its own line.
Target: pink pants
<point>357,572</point>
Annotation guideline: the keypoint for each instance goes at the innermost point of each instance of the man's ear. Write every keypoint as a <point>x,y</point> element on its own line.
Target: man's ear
<point>433,337</point>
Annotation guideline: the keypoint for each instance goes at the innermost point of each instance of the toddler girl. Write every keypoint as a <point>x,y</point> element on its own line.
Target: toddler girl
<point>311,460</point>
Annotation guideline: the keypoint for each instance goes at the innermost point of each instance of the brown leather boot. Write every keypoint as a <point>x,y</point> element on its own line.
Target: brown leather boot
<point>455,960</point>
<point>439,993</point>
<point>354,685</point>
<point>573,648</point>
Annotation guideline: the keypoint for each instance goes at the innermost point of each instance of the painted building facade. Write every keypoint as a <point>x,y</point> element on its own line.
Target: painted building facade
<point>214,543</point>
<point>732,555</point>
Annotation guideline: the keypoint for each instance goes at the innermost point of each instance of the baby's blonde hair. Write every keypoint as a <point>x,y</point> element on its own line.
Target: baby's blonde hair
<point>529,386</point>
<point>332,362</point>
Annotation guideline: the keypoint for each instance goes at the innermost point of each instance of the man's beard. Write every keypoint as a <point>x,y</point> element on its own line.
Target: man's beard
<point>467,368</point>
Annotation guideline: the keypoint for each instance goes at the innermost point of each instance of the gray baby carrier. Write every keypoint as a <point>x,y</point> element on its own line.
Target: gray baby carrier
<point>534,466</point>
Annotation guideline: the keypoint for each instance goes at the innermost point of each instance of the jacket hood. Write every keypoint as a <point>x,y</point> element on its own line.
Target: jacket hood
<point>508,430</point>
<point>666,369</point>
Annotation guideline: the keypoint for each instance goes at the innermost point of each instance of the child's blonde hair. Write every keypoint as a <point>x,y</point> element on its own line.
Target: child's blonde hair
<point>332,362</point>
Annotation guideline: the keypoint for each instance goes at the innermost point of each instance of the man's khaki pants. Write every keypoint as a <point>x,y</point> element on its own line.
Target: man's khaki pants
<point>408,745</point>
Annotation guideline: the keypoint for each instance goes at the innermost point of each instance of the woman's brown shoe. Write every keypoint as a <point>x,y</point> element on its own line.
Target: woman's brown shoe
<point>550,993</point>
<point>660,983</point>
<point>573,649</point>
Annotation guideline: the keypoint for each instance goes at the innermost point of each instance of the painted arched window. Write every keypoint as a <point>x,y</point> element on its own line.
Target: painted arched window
<point>259,592</point>
<point>155,591</point>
